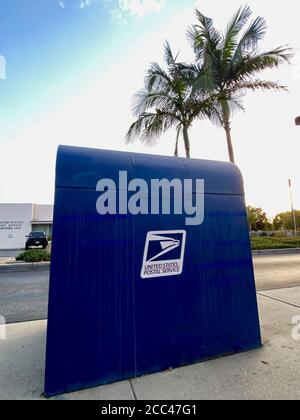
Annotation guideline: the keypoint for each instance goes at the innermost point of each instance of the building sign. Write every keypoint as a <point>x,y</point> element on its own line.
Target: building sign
<point>15,224</point>
<point>11,225</point>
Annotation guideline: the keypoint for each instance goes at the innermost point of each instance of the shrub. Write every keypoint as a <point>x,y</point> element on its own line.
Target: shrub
<point>34,255</point>
<point>275,243</point>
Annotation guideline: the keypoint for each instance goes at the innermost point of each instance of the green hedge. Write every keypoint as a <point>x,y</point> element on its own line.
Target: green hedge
<point>261,243</point>
<point>34,255</point>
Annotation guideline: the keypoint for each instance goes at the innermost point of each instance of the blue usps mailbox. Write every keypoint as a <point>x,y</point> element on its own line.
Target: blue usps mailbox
<point>151,267</point>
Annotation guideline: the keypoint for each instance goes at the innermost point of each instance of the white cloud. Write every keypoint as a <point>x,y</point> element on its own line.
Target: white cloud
<point>81,4</point>
<point>122,9</point>
<point>84,4</point>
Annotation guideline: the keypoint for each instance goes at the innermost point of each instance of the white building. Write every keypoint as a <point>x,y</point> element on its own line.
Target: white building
<point>18,220</point>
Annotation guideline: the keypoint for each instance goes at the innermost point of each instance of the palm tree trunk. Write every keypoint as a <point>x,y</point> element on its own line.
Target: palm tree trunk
<point>176,149</point>
<point>177,140</point>
<point>227,129</point>
<point>186,142</point>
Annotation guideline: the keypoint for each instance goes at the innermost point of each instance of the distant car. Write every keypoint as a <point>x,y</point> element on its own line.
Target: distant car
<point>36,239</point>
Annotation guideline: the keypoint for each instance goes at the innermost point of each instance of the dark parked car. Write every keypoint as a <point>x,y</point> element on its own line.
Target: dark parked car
<point>35,239</point>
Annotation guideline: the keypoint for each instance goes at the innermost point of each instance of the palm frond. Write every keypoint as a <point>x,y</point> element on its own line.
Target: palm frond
<point>206,24</point>
<point>136,129</point>
<point>150,126</point>
<point>250,65</point>
<point>197,42</point>
<point>229,106</point>
<point>282,54</point>
<point>204,82</point>
<point>169,57</point>
<point>210,33</point>
<point>156,125</point>
<point>157,78</point>
<point>251,37</point>
<point>205,38</point>
<point>215,115</point>
<point>199,78</point>
<point>200,110</point>
<point>257,84</point>
<point>144,100</point>
<point>237,23</point>
<point>235,104</point>
<point>189,71</point>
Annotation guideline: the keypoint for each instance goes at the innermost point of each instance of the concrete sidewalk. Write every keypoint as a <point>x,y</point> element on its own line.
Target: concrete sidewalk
<point>7,260</point>
<point>269,373</point>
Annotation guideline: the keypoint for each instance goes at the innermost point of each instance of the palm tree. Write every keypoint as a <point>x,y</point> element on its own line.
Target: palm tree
<point>168,101</point>
<point>232,60</point>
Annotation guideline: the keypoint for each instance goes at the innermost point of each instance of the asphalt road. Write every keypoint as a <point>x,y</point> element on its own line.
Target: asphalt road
<point>277,271</point>
<point>23,296</point>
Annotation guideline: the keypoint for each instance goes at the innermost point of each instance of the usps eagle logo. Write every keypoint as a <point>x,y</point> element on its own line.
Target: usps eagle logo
<point>163,254</point>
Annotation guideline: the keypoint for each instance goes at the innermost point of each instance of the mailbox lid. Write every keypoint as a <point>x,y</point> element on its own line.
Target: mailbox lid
<point>82,168</point>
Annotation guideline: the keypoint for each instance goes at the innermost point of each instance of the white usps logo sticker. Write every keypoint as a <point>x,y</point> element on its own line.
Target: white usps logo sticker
<point>164,254</point>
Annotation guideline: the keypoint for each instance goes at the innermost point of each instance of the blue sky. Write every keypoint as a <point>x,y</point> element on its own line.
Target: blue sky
<point>53,48</point>
<point>73,66</point>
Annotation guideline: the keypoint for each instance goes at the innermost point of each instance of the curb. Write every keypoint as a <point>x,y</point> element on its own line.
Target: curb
<point>276,251</point>
<point>24,267</point>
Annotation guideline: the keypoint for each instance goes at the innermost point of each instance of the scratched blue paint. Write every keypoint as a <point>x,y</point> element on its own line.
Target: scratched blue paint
<point>106,323</point>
